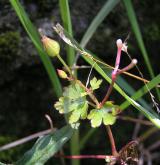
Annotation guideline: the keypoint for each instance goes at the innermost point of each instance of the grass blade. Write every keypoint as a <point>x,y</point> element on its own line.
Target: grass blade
<point>34,36</point>
<point>142,91</point>
<point>106,9</point>
<point>138,35</point>
<point>66,18</point>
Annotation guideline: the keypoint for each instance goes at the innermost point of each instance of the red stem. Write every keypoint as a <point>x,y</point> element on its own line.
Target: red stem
<point>111,138</point>
<point>117,63</point>
<point>87,156</point>
<point>107,95</point>
<point>114,76</point>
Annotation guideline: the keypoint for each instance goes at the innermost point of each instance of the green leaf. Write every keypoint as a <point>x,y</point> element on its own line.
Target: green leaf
<point>46,147</point>
<point>96,117</point>
<point>73,100</point>
<point>74,91</point>
<point>80,112</point>
<point>95,84</point>
<point>106,115</point>
<point>34,36</point>
<point>2,163</point>
<point>154,82</point>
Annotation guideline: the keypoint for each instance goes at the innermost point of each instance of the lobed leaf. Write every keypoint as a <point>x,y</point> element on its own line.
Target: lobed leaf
<point>95,84</point>
<point>73,100</point>
<point>107,115</point>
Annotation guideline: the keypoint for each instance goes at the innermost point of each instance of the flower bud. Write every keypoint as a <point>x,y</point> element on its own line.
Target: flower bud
<point>51,46</point>
<point>62,74</point>
<point>119,43</point>
<point>134,61</point>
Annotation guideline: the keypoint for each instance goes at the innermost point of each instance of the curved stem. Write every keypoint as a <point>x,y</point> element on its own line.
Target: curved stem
<point>65,65</point>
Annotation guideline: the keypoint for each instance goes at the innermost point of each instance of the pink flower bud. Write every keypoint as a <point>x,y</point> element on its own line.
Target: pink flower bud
<point>134,61</point>
<point>62,74</point>
<point>119,43</point>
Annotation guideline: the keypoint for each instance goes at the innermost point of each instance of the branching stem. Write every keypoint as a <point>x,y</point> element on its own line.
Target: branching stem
<point>91,95</point>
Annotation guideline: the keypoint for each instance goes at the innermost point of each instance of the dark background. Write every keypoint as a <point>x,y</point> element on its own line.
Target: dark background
<point>26,94</point>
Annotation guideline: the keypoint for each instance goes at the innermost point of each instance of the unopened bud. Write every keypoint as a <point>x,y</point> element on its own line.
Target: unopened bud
<point>134,61</point>
<point>62,74</point>
<point>51,46</point>
<point>119,43</point>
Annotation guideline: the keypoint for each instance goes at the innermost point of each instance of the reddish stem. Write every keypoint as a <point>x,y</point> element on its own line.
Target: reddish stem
<point>87,156</point>
<point>114,76</point>
<point>111,138</point>
<point>107,95</point>
<point>114,73</point>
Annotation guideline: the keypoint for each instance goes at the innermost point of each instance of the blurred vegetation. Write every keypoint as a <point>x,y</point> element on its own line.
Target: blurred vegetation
<point>9,44</point>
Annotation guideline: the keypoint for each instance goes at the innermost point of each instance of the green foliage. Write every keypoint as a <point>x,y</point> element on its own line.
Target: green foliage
<point>74,99</point>
<point>107,115</point>
<point>95,84</point>
<point>46,147</point>
<point>151,116</point>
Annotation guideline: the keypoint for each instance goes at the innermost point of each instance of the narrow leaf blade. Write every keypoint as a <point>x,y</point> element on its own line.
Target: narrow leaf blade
<point>33,34</point>
<point>46,147</point>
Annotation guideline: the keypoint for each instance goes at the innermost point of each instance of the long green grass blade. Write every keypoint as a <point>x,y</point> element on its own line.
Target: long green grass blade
<point>105,10</point>
<point>138,35</point>
<point>66,19</point>
<point>46,147</point>
<point>137,32</point>
<point>142,91</point>
<point>130,90</point>
<point>34,36</point>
